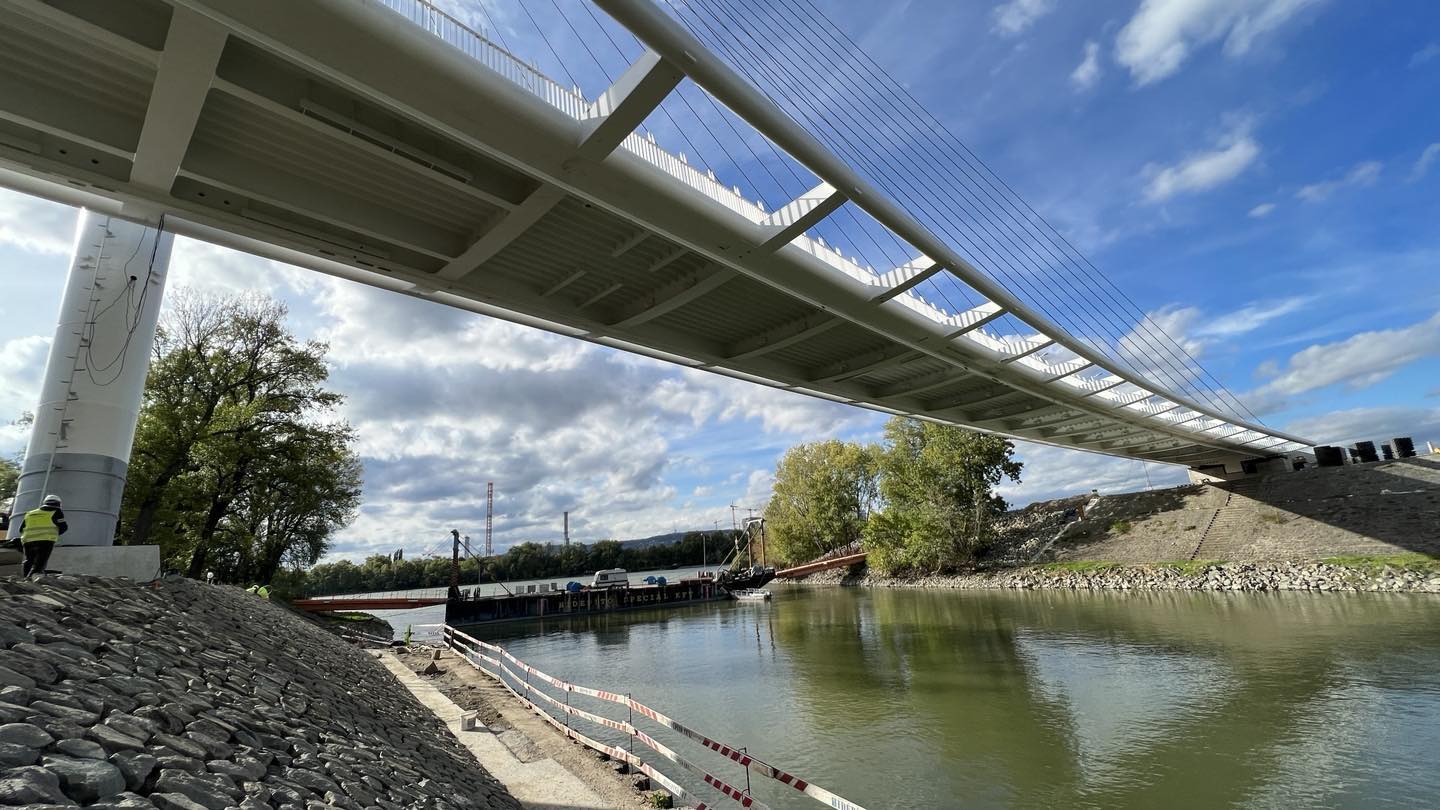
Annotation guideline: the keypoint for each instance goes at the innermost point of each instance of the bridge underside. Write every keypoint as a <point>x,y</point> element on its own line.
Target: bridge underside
<point>340,137</point>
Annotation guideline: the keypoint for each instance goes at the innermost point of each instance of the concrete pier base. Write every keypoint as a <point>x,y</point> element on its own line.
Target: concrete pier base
<point>140,563</point>
<point>95,376</point>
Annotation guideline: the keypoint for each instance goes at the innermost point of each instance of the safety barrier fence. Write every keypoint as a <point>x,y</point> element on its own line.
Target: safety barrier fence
<point>479,653</point>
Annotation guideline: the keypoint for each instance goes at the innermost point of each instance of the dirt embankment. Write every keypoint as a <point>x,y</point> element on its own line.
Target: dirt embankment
<point>1372,527</point>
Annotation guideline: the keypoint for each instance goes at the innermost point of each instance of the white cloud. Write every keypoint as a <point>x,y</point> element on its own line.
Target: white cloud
<point>1202,171</point>
<point>1375,424</point>
<point>1088,71</point>
<point>1357,362</point>
<point>1057,472</point>
<point>1196,332</point>
<point>1362,174</point>
<point>1425,54</point>
<point>1176,322</point>
<point>221,270</point>
<point>22,367</point>
<point>1162,35</point>
<point>1262,210</point>
<point>1013,17</point>
<point>36,225</point>
<point>1422,165</point>
<point>444,401</point>
<point>1249,317</point>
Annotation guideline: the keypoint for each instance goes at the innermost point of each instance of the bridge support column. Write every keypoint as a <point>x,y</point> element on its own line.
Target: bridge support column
<point>90,397</point>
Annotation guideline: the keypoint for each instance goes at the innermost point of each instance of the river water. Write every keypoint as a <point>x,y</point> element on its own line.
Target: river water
<point>907,698</point>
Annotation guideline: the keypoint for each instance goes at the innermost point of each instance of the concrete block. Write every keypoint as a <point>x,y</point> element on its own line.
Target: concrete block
<point>140,563</point>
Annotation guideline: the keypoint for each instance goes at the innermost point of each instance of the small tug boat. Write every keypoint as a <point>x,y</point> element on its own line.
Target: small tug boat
<point>751,595</point>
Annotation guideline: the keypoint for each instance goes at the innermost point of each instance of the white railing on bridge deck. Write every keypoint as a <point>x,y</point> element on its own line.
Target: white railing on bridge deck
<point>574,104</point>
<point>526,686</point>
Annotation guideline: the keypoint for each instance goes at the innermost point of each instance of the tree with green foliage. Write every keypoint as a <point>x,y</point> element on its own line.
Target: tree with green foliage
<point>937,485</point>
<point>822,497</point>
<point>238,466</point>
<point>9,478</point>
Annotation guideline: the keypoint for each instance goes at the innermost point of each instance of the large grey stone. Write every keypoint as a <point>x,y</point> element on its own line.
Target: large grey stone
<point>33,668</point>
<point>32,785</point>
<point>178,762</point>
<point>85,780</point>
<point>310,779</point>
<point>123,801</point>
<point>130,725</point>
<point>214,749</point>
<point>211,728</point>
<point>80,749</point>
<point>136,767</point>
<point>57,727</point>
<point>13,713</point>
<point>189,748</point>
<point>197,790</point>
<point>175,801</point>
<point>15,756</point>
<point>82,717</point>
<point>25,734</point>
<point>10,635</point>
<point>9,677</point>
<point>251,771</point>
<point>113,740</point>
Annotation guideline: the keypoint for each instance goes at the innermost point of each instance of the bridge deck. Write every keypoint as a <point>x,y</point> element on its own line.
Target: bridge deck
<point>335,135</point>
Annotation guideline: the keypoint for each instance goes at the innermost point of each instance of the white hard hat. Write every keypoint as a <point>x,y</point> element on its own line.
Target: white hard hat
<point>51,500</point>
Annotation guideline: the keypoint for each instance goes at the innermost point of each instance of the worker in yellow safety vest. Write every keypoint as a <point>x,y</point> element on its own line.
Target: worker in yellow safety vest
<point>40,530</point>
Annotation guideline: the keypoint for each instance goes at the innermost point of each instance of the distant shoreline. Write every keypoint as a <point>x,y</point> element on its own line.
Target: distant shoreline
<point>1402,574</point>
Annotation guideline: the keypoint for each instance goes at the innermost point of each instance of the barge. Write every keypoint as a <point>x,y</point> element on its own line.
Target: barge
<point>550,601</point>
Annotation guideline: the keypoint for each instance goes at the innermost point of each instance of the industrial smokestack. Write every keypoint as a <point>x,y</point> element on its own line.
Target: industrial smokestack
<point>567,528</point>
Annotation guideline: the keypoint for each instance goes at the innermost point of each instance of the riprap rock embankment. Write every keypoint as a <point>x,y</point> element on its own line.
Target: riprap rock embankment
<point>181,695</point>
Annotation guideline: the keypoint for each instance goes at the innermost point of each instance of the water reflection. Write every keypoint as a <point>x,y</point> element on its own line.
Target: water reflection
<point>991,699</point>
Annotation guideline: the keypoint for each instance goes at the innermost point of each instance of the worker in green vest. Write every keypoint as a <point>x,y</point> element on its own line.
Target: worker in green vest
<point>40,530</point>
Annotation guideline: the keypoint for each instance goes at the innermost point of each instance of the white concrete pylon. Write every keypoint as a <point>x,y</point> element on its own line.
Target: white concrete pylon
<point>90,398</point>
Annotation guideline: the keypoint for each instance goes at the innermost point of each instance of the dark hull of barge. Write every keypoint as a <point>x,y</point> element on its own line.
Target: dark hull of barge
<point>586,602</point>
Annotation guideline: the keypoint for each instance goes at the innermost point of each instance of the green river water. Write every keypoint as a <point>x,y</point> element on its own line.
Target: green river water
<point>909,698</point>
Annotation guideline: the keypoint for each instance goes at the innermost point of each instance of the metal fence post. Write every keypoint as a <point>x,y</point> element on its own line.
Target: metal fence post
<point>746,752</point>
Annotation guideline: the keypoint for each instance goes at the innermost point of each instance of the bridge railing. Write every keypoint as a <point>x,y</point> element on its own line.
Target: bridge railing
<point>569,101</point>
<point>573,103</point>
<point>533,688</point>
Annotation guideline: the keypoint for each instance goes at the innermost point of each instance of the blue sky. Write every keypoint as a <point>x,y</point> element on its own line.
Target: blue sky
<point>1261,176</point>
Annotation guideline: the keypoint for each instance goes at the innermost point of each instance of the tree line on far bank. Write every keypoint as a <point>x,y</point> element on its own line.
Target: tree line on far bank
<point>921,502</point>
<point>524,561</point>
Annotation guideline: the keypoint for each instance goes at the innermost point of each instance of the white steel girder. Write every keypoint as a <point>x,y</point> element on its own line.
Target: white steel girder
<point>567,151</point>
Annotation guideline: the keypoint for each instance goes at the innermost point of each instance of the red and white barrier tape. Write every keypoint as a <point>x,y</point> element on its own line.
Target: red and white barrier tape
<point>765,769</point>
<point>725,788</point>
<point>638,764</point>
